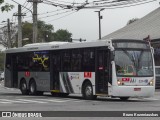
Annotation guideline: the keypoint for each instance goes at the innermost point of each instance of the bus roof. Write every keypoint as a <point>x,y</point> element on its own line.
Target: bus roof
<point>58,46</point>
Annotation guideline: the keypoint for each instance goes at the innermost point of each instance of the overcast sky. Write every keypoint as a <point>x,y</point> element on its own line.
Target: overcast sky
<point>84,23</point>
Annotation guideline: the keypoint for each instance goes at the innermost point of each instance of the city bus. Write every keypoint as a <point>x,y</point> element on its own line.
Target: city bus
<point>121,68</point>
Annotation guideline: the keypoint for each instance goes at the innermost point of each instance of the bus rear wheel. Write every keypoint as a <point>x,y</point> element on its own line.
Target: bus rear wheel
<point>23,88</point>
<point>39,93</point>
<point>124,98</point>
<point>87,91</point>
<point>32,88</point>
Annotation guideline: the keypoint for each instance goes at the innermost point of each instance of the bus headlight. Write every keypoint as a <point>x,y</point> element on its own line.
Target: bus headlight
<point>119,82</point>
<point>151,83</point>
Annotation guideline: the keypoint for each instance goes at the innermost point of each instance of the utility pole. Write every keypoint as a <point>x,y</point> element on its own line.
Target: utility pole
<point>9,33</point>
<point>99,17</point>
<point>35,32</point>
<point>19,25</point>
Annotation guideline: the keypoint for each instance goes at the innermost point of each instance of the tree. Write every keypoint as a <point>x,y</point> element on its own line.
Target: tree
<point>7,7</point>
<point>4,35</point>
<point>62,35</point>
<point>45,33</point>
<point>26,33</point>
<point>132,20</point>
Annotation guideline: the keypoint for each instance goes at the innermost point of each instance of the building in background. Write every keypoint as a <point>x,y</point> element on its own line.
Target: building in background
<point>149,25</point>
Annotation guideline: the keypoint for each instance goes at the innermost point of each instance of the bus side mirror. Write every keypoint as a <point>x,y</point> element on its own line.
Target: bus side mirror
<point>112,55</point>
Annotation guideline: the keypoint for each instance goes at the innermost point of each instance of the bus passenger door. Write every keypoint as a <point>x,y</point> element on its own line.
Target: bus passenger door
<point>55,69</point>
<point>14,72</point>
<point>11,73</point>
<point>102,71</point>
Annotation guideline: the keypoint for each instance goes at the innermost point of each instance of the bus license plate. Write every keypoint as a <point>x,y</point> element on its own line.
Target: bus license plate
<point>137,89</point>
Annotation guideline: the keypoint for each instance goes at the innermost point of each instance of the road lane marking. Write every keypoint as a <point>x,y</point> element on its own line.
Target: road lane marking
<point>42,100</point>
<point>10,101</point>
<point>5,102</point>
<point>53,100</point>
<point>153,99</point>
<point>32,101</point>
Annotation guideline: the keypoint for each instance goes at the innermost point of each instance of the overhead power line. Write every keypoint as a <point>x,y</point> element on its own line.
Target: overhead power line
<point>24,4</point>
<point>97,4</point>
<point>21,5</point>
<point>62,16</point>
<point>68,5</point>
<point>28,8</point>
<point>122,4</point>
<point>60,1</point>
<point>44,13</point>
<point>55,14</point>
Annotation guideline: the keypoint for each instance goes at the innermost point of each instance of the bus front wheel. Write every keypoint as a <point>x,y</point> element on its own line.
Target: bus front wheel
<point>87,91</point>
<point>32,88</point>
<point>124,98</point>
<point>23,88</point>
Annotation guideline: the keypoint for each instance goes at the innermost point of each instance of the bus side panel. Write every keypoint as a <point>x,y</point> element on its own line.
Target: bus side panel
<point>42,79</point>
<point>66,85</point>
<point>71,82</point>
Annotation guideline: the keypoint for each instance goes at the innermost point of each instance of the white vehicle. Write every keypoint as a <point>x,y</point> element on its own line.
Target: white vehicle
<point>116,68</point>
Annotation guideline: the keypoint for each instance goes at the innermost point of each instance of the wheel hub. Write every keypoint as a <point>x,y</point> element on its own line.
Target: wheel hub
<point>24,87</point>
<point>88,90</point>
<point>32,89</point>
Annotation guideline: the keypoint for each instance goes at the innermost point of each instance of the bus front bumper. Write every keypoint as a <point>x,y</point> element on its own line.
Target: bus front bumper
<point>133,91</point>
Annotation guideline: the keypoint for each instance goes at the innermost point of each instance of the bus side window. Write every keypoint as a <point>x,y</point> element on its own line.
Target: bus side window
<point>76,60</point>
<point>66,61</point>
<point>88,60</point>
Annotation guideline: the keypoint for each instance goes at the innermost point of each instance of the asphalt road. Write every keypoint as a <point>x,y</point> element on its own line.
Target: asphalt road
<point>12,100</point>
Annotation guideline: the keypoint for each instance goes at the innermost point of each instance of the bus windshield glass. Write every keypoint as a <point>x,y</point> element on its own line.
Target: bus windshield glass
<point>133,62</point>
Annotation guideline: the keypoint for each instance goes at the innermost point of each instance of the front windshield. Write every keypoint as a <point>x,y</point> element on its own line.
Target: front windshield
<point>133,62</point>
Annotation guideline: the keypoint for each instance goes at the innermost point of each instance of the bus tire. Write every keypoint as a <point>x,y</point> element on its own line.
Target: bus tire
<point>63,94</point>
<point>23,87</point>
<point>32,88</point>
<point>87,91</point>
<point>124,98</point>
<point>39,93</point>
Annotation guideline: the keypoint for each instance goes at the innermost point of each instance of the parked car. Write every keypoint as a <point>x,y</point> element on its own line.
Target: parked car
<point>157,70</point>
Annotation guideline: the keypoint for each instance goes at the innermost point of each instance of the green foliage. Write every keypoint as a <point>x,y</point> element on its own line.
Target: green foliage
<point>7,7</point>
<point>45,33</point>
<point>1,1</point>
<point>1,61</point>
<point>27,32</point>
<point>62,35</point>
